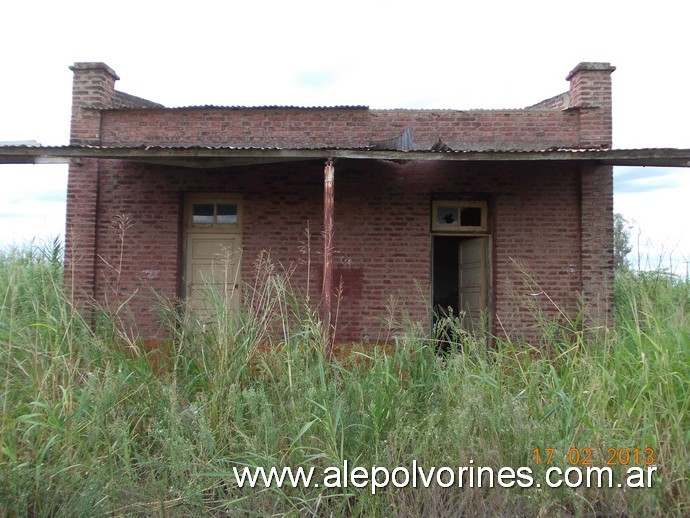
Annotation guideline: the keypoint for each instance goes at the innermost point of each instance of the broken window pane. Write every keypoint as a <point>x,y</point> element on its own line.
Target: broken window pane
<point>471,217</point>
<point>447,216</point>
<point>459,216</point>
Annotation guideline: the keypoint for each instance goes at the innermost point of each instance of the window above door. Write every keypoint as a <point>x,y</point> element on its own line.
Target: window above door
<point>213,212</point>
<point>459,216</point>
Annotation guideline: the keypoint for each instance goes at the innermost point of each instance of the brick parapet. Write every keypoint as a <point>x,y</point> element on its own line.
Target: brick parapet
<point>590,95</point>
<point>579,118</point>
<point>93,87</point>
<point>476,130</point>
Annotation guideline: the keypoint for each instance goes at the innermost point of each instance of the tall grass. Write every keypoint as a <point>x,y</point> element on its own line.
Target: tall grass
<point>88,430</point>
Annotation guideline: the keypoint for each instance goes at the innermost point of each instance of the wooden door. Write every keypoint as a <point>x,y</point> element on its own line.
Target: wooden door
<point>472,284</point>
<point>212,253</point>
<point>212,271</point>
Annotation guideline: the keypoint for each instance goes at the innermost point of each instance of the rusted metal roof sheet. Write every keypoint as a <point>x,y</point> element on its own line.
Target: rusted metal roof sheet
<point>216,107</point>
<point>157,106</point>
<point>374,146</point>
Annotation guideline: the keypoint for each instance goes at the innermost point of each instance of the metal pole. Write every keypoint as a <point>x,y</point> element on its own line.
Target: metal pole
<point>327,289</point>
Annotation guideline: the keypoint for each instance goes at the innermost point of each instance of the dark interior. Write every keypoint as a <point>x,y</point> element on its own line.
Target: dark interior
<point>445,273</point>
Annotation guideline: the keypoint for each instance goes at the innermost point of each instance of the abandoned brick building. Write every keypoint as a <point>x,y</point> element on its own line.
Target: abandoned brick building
<point>463,209</point>
<point>491,213</point>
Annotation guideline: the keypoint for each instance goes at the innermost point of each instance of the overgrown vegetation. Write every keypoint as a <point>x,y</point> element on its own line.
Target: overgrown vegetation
<point>621,242</point>
<point>91,429</point>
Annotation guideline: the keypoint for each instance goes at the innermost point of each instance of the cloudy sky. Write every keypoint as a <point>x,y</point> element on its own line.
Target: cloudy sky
<point>383,54</point>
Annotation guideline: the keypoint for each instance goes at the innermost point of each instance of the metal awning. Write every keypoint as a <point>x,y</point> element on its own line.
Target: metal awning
<point>213,157</point>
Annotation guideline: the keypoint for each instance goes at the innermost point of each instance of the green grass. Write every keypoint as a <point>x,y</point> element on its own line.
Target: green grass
<point>88,430</point>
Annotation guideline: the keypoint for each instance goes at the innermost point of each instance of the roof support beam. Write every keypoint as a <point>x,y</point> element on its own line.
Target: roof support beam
<point>201,157</point>
<point>327,287</point>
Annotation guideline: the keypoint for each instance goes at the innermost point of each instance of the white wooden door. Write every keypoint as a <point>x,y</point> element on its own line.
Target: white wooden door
<point>472,283</point>
<point>212,253</point>
<point>212,271</point>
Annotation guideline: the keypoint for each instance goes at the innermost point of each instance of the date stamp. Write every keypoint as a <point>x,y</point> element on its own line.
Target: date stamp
<point>586,456</point>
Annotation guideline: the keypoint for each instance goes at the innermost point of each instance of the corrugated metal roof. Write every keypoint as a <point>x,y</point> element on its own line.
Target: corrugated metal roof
<point>156,106</point>
<point>216,107</point>
<point>19,143</point>
<point>34,145</point>
<point>373,147</point>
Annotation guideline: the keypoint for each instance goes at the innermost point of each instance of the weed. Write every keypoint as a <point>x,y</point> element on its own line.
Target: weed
<point>88,429</point>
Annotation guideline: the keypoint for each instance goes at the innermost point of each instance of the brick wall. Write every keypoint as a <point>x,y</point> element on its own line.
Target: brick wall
<point>382,237</point>
<point>551,223</point>
<point>597,244</point>
<point>537,248</point>
<point>579,118</point>
<point>81,224</point>
<point>590,95</point>
<point>93,89</point>
<point>260,127</point>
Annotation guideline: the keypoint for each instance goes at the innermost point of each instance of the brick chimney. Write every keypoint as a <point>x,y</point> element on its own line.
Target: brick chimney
<point>93,88</point>
<point>590,93</point>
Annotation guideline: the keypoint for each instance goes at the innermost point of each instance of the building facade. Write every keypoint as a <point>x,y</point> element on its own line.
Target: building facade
<point>485,212</point>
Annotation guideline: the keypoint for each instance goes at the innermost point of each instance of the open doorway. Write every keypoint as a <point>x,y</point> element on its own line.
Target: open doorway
<point>460,274</point>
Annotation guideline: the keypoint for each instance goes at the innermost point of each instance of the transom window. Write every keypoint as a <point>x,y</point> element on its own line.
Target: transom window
<point>459,216</point>
<point>220,213</point>
<point>214,214</point>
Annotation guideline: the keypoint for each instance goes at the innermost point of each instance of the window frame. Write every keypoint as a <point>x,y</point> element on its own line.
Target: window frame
<point>459,205</point>
<point>215,200</point>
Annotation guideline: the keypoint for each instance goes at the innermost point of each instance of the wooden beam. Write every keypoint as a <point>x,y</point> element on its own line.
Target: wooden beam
<point>211,156</point>
<point>327,288</point>
<point>215,163</point>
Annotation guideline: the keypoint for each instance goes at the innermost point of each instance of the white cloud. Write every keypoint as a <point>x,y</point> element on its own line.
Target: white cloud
<point>657,207</point>
<point>32,203</point>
